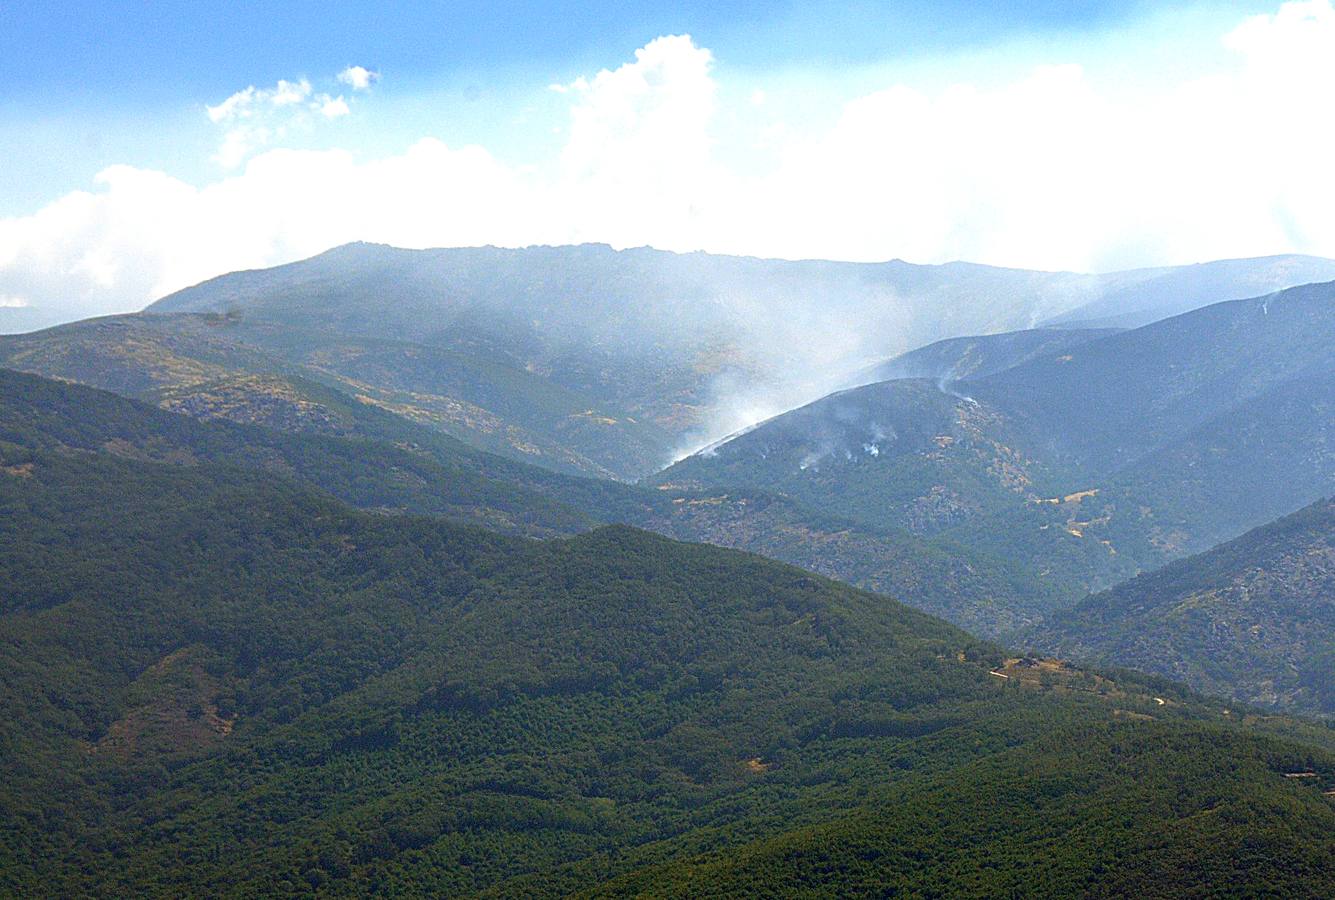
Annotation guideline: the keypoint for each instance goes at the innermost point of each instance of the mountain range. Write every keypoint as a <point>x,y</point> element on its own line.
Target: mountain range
<point>1086,461</point>
<point>369,575</point>
<point>218,680</point>
<point>584,359</point>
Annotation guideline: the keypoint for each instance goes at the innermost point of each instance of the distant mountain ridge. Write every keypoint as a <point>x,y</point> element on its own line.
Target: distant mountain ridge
<point>679,348</point>
<point>1112,400</point>
<point>1148,295</point>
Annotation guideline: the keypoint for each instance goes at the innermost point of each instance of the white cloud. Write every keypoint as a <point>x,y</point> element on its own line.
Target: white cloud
<point>358,78</point>
<point>141,234</point>
<point>235,106</point>
<point>637,158</point>
<point>13,302</point>
<point>258,117</point>
<point>1054,169</point>
<point>252,101</point>
<point>238,143</point>
<point>1059,170</point>
<point>334,107</point>
<point>289,93</point>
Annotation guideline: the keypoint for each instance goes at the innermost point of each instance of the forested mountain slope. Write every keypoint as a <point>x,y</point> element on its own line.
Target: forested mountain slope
<point>391,466</point>
<point>1084,464</point>
<point>1253,619</point>
<point>408,469</point>
<point>220,367</point>
<point>216,681</point>
<point>1091,458</point>
<point>985,830</point>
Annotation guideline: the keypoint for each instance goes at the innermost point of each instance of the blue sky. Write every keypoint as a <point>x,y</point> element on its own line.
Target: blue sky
<point>148,145</point>
<point>165,52</point>
<point>89,84</point>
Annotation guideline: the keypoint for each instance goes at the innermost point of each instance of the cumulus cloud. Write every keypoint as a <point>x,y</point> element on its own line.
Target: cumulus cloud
<point>235,106</point>
<point>252,101</point>
<point>255,118</point>
<point>1053,169</point>
<point>334,107</point>
<point>142,234</point>
<point>358,78</point>
<point>639,143</point>
<point>1057,170</point>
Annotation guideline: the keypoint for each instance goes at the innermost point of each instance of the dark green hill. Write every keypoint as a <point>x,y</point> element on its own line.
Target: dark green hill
<point>215,681</point>
<point>1253,619</point>
<point>1048,820</point>
<point>408,469</point>
<point>389,465</point>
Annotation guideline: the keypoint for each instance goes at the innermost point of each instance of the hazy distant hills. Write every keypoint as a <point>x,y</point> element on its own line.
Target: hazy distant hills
<point>221,367</point>
<point>540,301</point>
<point>644,352</point>
<point>1083,464</point>
<point>1253,619</point>
<point>1079,458</point>
<point>1141,296</point>
<point>639,352</point>
<point>217,680</point>
<point>1109,402</point>
<point>579,359</point>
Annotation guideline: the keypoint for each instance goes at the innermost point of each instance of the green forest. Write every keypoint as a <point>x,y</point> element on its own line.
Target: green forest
<point>220,680</point>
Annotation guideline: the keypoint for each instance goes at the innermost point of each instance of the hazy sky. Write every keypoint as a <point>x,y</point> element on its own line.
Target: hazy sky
<point>152,146</point>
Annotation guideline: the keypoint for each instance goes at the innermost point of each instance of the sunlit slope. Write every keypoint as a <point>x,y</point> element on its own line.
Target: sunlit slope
<point>219,367</point>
